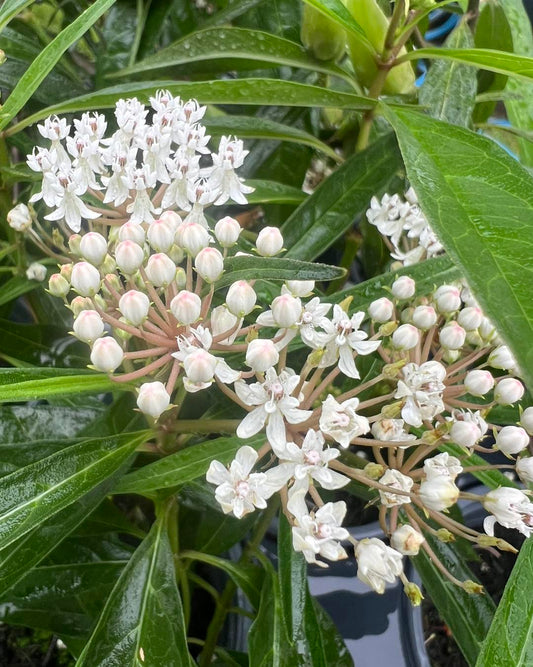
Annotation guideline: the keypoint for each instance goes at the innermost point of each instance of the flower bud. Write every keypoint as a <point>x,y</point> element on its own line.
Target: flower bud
<point>300,287</point>
<point>478,383</point>
<point>129,256</point>
<point>470,318</point>
<point>93,248</point>
<point>465,433</point>
<point>487,330</point>
<point>108,265</point>
<point>269,242</point>
<point>438,493</point>
<point>227,231</point>
<point>106,354</point>
<point>176,254</point>
<point>405,337</point>
<point>424,317</point>
<point>88,326</point>
<point>130,231</point>
<point>240,298</point>
<point>85,279</point>
<point>80,303</point>
<point>66,271</point>
<point>186,307</point>
<point>160,270</point>
<point>403,287</point>
<point>161,235</point>
<point>36,271</point>
<point>452,336</point>
<point>19,218</point>
<point>511,440</point>
<point>74,244</point>
<point>381,310</point>
<point>524,469</point>
<point>323,37</point>
<point>286,310</point>
<point>261,354</point>
<point>508,391</point>
<point>502,358</point>
<point>153,399</point>
<point>192,237</point>
<point>526,419</point>
<point>221,321</point>
<point>58,286</point>
<point>407,540</point>
<point>209,264</point>
<point>171,218</point>
<point>134,306</point>
<point>447,299</point>
<point>200,365</point>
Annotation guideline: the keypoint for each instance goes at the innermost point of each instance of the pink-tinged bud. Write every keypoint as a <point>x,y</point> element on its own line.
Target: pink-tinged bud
<point>405,337</point>
<point>452,336</point>
<point>93,248</point>
<point>511,440</point>
<point>58,286</point>
<point>508,391</point>
<point>160,270</point>
<point>447,298</point>
<point>470,318</point>
<point>161,235</point>
<point>132,232</point>
<point>502,358</point>
<point>381,310</point>
<point>478,383</point>
<point>407,540</point>
<point>200,366</point>
<point>80,303</point>
<point>134,306</point>
<point>269,242</point>
<point>85,279</point>
<point>192,237</point>
<point>526,419</point>
<point>106,354</point>
<point>424,317</point>
<point>74,244</point>
<point>261,355</point>
<point>66,271</point>
<point>465,433</point>
<point>487,330</point>
<point>403,288</point>
<point>171,218</point>
<point>524,469</point>
<point>19,218</point>
<point>438,493</point>
<point>129,257</point>
<point>36,271</point>
<point>241,298</point>
<point>221,321</point>
<point>186,307</point>
<point>88,326</point>
<point>286,310</point>
<point>153,399</point>
<point>300,287</point>
<point>209,264</point>
<point>227,231</point>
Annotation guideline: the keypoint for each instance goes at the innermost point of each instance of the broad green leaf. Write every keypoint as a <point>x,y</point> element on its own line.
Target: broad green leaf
<point>48,57</point>
<point>183,466</point>
<point>31,495</point>
<point>336,11</point>
<point>142,623</point>
<point>468,616</point>
<point>9,9</point>
<point>509,642</point>
<point>118,33</point>
<point>449,89</point>
<point>238,44</point>
<point>271,192</point>
<point>15,287</point>
<point>35,384</point>
<point>479,201</point>
<point>334,206</point>
<point>275,268</point>
<point>231,91</point>
<point>490,478</point>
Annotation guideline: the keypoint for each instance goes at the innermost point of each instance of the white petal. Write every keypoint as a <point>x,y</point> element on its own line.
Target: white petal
<point>252,423</point>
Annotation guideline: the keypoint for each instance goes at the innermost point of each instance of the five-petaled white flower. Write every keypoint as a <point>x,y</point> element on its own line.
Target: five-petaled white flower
<point>421,387</point>
<point>377,564</point>
<point>340,420</point>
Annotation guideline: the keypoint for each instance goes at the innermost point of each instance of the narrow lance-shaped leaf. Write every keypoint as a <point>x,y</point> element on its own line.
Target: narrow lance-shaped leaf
<point>479,201</point>
<point>272,192</point>
<point>10,9</point>
<point>336,11</point>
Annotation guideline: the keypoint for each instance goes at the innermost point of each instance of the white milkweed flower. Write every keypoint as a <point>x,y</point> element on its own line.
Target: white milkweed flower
<point>391,430</point>
<point>153,399</point>
<point>19,218</point>
<point>511,508</point>
<point>36,271</point>
<point>341,421</point>
<point>407,540</point>
<point>442,465</point>
<point>312,317</point>
<point>394,479</point>
<point>438,493</point>
<point>421,387</point>
<point>377,564</point>
<point>524,469</point>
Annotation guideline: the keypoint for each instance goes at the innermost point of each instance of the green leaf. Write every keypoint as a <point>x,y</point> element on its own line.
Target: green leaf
<point>449,89</point>
<point>184,466</point>
<point>18,384</point>
<point>479,201</point>
<point>9,9</point>
<point>142,623</point>
<point>34,493</point>
<point>337,12</point>
<point>256,92</point>
<point>49,56</point>
<point>237,44</point>
<point>15,287</point>
<point>509,642</point>
<point>270,192</point>
<point>468,616</point>
<point>332,209</point>
<point>490,478</point>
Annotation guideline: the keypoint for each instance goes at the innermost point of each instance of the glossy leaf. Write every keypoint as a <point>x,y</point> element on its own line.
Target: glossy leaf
<point>238,44</point>
<point>184,466</point>
<point>337,12</point>
<point>479,201</point>
<point>142,623</point>
<point>490,478</point>
<point>48,57</point>
<point>31,495</point>
<point>334,206</point>
<point>271,192</point>
<point>15,287</point>
<point>9,9</point>
<point>509,642</point>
